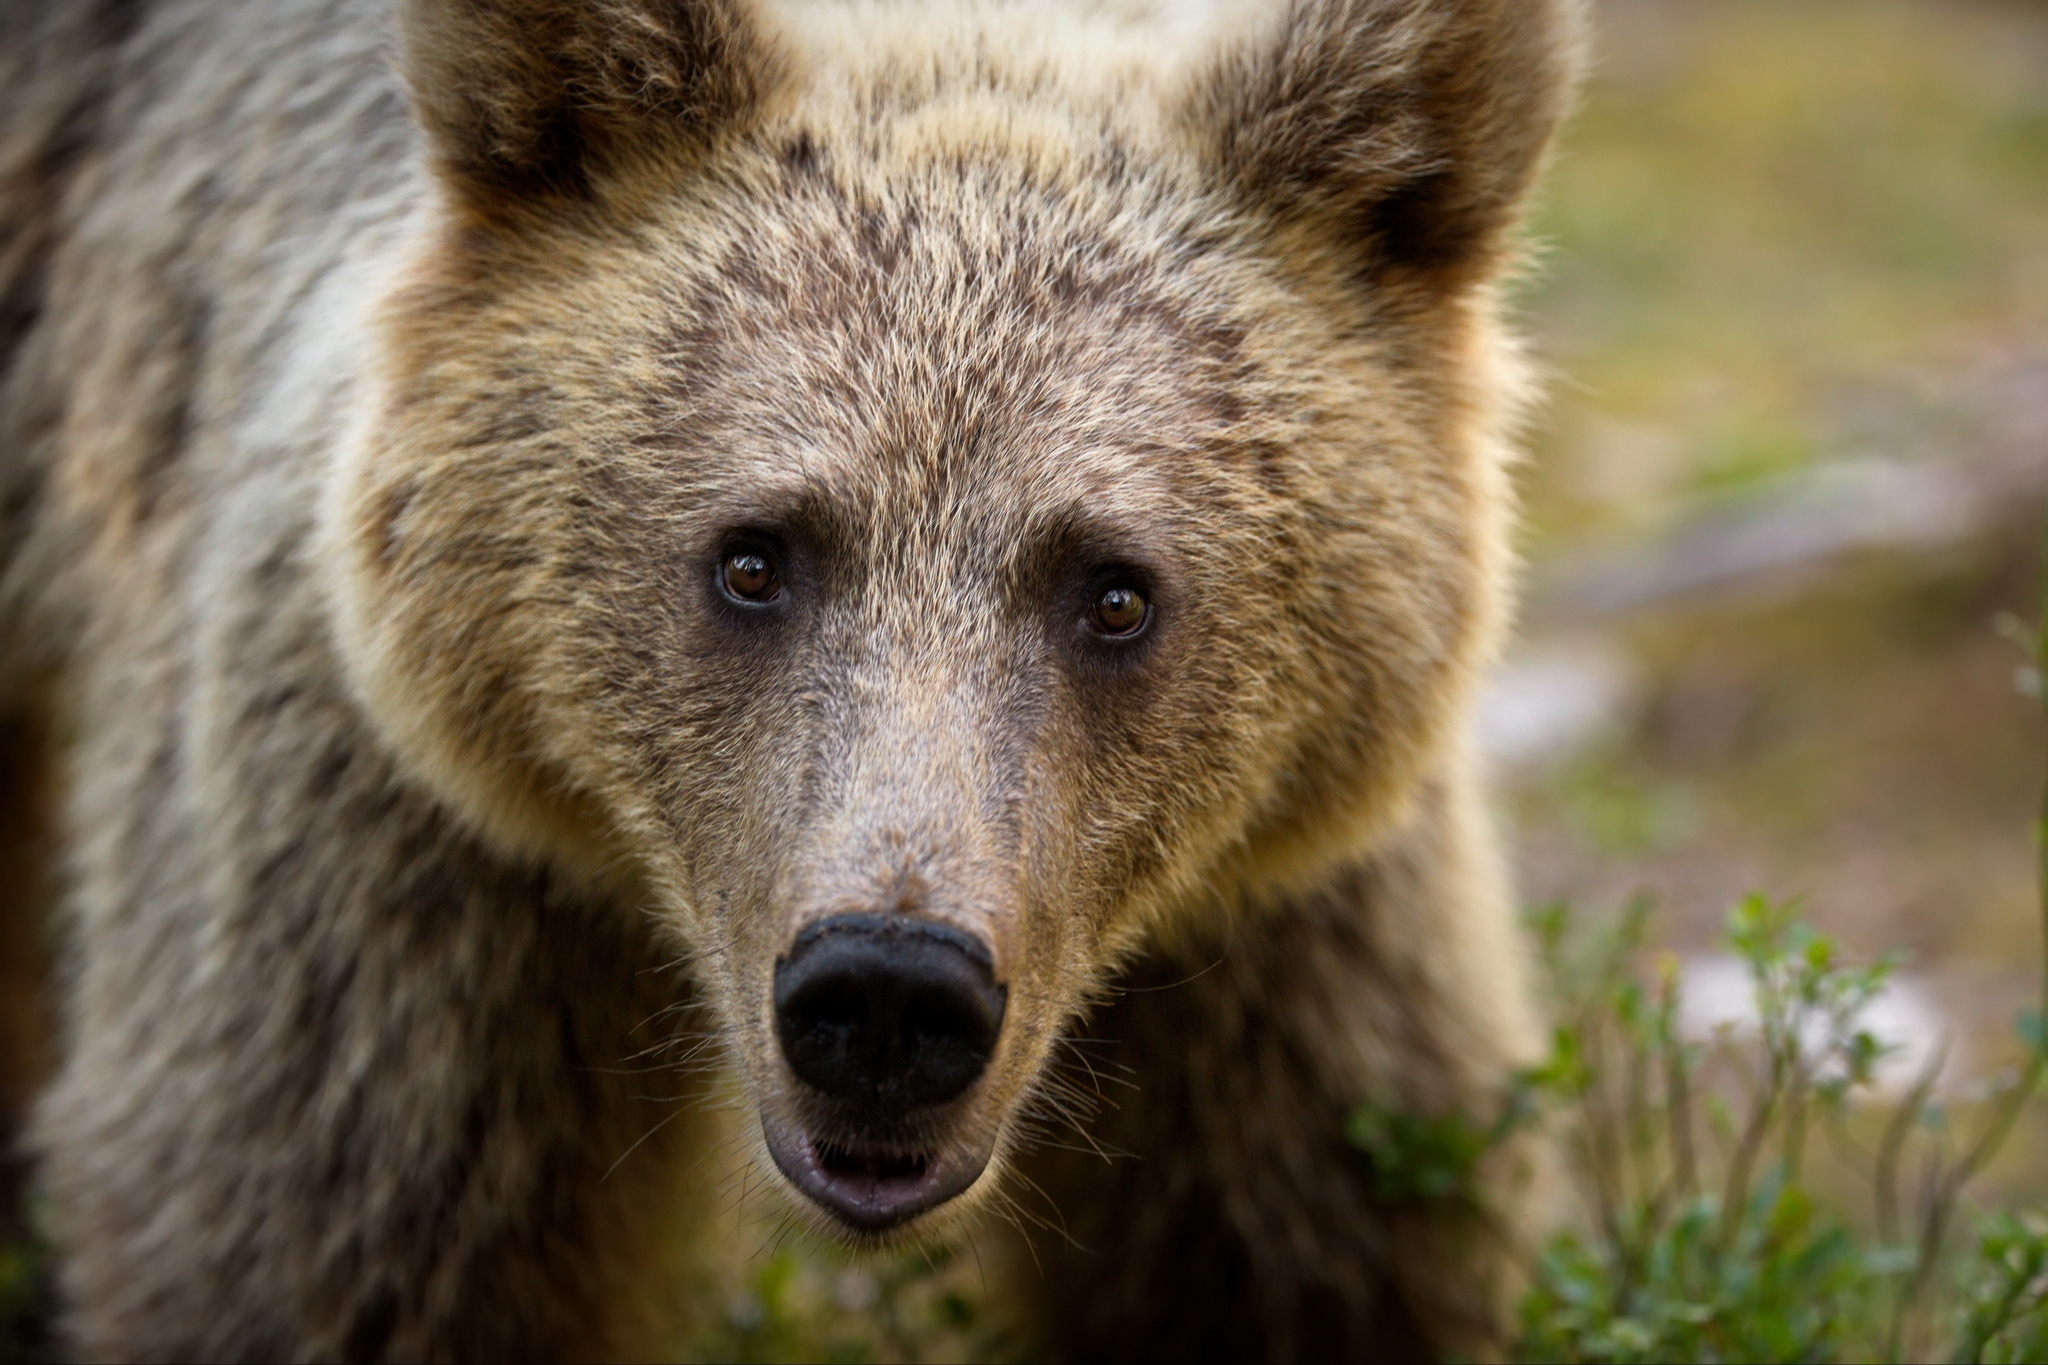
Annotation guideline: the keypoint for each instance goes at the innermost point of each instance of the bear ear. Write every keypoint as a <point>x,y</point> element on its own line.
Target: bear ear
<point>1410,128</point>
<point>524,98</point>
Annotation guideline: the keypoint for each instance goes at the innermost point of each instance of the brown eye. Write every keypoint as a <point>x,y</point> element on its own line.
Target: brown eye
<point>750,577</point>
<point>1119,611</point>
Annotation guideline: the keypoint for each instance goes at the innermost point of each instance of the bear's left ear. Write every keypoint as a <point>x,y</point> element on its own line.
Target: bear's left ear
<point>1410,129</point>
<point>536,98</point>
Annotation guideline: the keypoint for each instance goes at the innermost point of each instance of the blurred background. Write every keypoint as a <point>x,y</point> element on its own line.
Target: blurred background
<point>1792,297</point>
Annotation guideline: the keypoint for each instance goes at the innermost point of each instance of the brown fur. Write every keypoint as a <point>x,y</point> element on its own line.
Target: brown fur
<point>365,472</point>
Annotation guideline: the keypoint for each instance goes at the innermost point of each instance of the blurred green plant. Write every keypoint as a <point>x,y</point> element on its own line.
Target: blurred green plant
<point>26,1293</point>
<point>834,1306</point>
<point>2005,1315</point>
<point>1705,1235</point>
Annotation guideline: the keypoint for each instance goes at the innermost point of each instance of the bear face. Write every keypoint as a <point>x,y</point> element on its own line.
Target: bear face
<point>926,547</point>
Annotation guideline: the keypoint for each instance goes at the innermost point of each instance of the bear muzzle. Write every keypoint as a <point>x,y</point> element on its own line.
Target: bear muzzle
<point>886,1020</point>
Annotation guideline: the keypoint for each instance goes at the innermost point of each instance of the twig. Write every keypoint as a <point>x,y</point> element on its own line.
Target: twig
<point>1742,1167</point>
<point>1893,1144</point>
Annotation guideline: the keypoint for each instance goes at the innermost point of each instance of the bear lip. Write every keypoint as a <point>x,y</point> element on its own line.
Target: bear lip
<point>869,1186</point>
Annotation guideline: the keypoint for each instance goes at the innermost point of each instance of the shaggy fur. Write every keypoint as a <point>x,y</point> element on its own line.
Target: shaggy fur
<point>379,393</point>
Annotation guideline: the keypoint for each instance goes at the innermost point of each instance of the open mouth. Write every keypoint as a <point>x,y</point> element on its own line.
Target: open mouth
<point>870,1186</point>
<point>876,1166</point>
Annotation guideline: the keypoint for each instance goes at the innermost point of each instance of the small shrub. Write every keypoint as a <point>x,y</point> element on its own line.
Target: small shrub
<point>1704,1234</point>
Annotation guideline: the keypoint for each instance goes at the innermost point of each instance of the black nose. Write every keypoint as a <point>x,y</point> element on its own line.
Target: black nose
<point>886,1013</point>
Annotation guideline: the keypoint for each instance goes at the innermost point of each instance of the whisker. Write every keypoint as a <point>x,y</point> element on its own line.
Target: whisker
<point>1170,986</point>
<point>661,1124</point>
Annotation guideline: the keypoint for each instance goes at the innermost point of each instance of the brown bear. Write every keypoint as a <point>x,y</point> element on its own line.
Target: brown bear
<point>910,556</point>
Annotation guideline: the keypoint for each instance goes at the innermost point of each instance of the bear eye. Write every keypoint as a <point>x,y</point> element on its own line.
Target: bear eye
<point>749,577</point>
<point>1119,611</point>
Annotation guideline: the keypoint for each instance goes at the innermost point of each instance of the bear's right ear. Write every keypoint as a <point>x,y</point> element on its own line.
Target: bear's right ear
<point>525,98</point>
<point>1408,129</point>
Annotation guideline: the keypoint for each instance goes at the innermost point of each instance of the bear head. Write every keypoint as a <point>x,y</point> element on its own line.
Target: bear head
<point>938,496</point>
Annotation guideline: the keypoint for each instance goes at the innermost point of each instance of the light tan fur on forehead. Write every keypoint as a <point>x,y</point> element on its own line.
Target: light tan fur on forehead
<point>856,339</point>
<point>1114,61</point>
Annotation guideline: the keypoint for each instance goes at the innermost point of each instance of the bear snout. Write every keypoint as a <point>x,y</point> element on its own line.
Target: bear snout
<point>884,1020</point>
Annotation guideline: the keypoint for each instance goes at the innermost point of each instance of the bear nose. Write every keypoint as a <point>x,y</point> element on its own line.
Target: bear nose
<point>887,1013</point>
